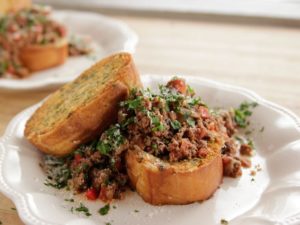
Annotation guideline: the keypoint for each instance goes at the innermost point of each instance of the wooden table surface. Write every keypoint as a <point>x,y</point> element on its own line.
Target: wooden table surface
<point>265,59</point>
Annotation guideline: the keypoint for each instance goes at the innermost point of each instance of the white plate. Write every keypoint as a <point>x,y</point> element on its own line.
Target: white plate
<point>273,198</point>
<point>108,35</point>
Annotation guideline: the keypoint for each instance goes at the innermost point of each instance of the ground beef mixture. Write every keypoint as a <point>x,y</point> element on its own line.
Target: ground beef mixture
<point>173,125</point>
<point>96,168</point>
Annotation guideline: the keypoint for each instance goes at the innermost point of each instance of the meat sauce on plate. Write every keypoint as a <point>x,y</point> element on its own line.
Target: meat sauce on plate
<point>173,125</point>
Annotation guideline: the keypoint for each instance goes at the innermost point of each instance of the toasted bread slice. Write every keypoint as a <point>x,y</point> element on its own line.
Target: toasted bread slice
<point>39,57</point>
<point>159,182</point>
<point>14,5</point>
<point>80,110</point>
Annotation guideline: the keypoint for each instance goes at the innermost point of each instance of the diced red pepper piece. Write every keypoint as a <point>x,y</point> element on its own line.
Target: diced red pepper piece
<point>92,194</point>
<point>102,194</point>
<point>178,84</point>
<point>204,112</point>
<point>77,158</point>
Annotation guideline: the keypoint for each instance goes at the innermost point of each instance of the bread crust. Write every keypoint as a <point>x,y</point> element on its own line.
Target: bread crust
<point>39,57</point>
<point>14,5</point>
<point>159,182</point>
<point>87,121</point>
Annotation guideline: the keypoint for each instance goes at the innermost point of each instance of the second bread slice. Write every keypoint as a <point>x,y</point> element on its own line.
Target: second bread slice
<point>80,110</point>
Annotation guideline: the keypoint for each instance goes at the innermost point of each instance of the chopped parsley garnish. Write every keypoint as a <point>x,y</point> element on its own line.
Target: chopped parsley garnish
<point>175,124</point>
<point>239,139</point>
<point>155,121</point>
<point>69,200</point>
<point>108,223</point>
<point>172,97</point>
<point>3,67</point>
<point>128,121</point>
<point>112,139</point>
<point>242,113</point>
<point>190,90</point>
<point>58,172</point>
<point>191,122</point>
<point>224,222</point>
<point>194,101</point>
<point>13,209</point>
<point>136,211</point>
<point>103,148</point>
<point>133,104</point>
<point>250,143</point>
<point>104,210</point>
<point>160,127</point>
<point>262,129</point>
<point>248,132</point>
<point>3,24</point>
<point>82,208</point>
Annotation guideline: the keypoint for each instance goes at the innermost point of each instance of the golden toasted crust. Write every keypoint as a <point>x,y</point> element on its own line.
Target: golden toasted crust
<point>160,182</point>
<point>39,57</point>
<point>13,5</point>
<point>74,124</point>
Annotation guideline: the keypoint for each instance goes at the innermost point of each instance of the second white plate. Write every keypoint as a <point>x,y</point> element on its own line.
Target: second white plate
<point>108,35</point>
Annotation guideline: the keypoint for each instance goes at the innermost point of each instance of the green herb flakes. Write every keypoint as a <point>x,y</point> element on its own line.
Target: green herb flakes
<point>154,146</point>
<point>250,143</point>
<point>132,104</point>
<point>224,222</point>
<point>104,210</point>
<point>239,139</point>
<point>242,113</point>
<point>103,148</point>
<point>248,132</point>
<point>175,124</point>
<point>160,127</point>
<point>191,122</point>
<point>262,129</point>
<point>190,90</point>
<point>82,208</point>
<point>110,140</point>
<point>58,172</point>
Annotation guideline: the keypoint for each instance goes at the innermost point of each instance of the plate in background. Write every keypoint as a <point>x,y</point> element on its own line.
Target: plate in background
<point>272,198</point>
<point>108,35</point>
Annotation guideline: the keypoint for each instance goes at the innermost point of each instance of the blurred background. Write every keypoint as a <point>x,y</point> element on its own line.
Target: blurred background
<point>283,9</point>
<point>253,43</point>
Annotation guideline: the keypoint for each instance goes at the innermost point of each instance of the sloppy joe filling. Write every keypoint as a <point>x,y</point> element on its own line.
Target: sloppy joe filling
<point>173,125</point>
